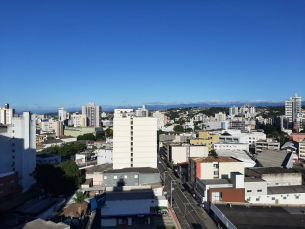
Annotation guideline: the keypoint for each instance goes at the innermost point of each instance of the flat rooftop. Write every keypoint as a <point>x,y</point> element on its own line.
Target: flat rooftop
<point>263,217</point>
<point>286,189</point>
<point>213,159</point>
<point>99,168</point>
<point>215,181</point>
<point>130,195</point>
<point>250,179</point>
<point>258,171</point>
<point>134,169</point>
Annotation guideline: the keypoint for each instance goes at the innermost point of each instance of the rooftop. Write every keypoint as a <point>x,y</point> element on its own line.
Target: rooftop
<point>251,179</point>
<point>273,158</point>
<point>73,210</point>
<point>215,181</point>
<point>244,217</point>
<point>213,159</point>
<point>99,168</point>
<point>258,171</point>
<point>130,195</point>
<point>52,141</point>
<point>40,223</point>
<point>134,169</point>
<point>240,155</point>
<point>286,189</point>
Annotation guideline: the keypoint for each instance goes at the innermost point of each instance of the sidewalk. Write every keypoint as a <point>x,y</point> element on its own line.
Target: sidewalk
<point>173,215</point>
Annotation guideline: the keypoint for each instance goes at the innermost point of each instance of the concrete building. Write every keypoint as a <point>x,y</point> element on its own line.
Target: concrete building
<point>18,148</point>
<point>52,126</point>
<point>160,120</point>
<point>10,186</point>
<point>220,190</point>
<point>266,144</point>
<point>275,158</point>
<point>300,148</point>
<point>238,125</point>
<point>240,155</point>
<point>142,112</point>
<point>119,213</point>
<point>275,176</point>
<point>96,173</point>
<point>213,168</point>
<point>293,108</point>
<point>205,138</point>
<point>6,114</point>
<point>63,115</point>
<point>130,177</point>
<point>221,116</point>
<point>134,140</point>
<point>231,146</point>
<point>93,114</point>
<point>78,120</point>
<point>233,111</point>
<point>104,156</point>
<point>181,152</point>
<point>77,131</point>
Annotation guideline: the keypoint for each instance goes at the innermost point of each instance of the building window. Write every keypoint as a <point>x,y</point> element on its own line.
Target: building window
<point>215,166</point>
<point>131,176</point>
<point>125,176</point>
<point>259,190</point>
<point>131,143</point>
<point>115,177</point>
<point>135,176</point>
<point>215,173</point>
<point>13,144</point>
<point>131,159</point>
<point>284,197</point>
<point>131,154</point>
<point>249,190</point>
<point>217,196</point>
<point>105,177</point>
<point>297,197</point>
<point>257,199</point>
<point>273,198</point>
<point>131,165</point>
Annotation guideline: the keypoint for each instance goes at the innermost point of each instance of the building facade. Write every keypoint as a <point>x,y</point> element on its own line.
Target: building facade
<point>6,114</point>
<point>134,140</point>
<point>293,108</point>
<point>93,114</point>
<point>18,148</point>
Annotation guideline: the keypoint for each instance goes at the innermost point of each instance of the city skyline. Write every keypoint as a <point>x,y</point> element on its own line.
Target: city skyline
<point>133,53</point>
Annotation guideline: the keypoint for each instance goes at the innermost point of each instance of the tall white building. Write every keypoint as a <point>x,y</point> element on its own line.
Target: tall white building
<point>93,114</point>
<point>142,112</point>
<point>220,116</point>
<point>134,140</point>
<point>293,108</point>
<point>233,111</point>
<point>160,119</point>
<point>18,148</point>
<point>6,114</point>
<point>63,114</point>
<point>52,126</point>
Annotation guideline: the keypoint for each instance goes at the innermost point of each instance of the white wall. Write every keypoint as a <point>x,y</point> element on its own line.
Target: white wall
<point>271,199</point>
<point>251,188</point>
<point>179,154</point>
<point>104,156</point>
<point>231,146</point>
<point>199,151</point>
<point>225,169</point>
<point>144,142</point>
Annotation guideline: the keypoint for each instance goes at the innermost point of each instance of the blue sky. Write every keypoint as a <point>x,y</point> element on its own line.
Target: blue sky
<point>112,52</point>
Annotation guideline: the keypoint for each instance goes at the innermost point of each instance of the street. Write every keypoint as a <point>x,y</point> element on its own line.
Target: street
<point>189,214</point>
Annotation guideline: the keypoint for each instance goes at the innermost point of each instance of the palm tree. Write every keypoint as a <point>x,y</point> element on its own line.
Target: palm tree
<point>79,200</point>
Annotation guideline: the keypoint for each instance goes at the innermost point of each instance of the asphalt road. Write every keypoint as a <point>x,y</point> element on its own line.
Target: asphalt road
<point>189,214</point>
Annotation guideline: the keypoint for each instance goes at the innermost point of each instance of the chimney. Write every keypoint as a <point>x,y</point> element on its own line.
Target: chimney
<point>7,106</point>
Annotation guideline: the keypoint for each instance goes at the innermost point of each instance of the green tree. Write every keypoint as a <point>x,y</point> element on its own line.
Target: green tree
<point>171,164</point>
<point>178,128</point>
<point>213,153</point>
<point>268,129</point>
<point>109,132</point>
<point>79,200</point>
<point>72,176</point>
<point>89,137</point>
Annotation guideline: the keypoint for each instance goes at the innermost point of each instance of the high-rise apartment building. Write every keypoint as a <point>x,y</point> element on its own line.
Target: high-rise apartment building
<point>18,148</point>
<point>220,116</point>
<point>63,115</point>
<point>6,114</point>
<point>78,120</point>
<point>293,109</point>
<point>142,112</point>
<point>160,119</point>
<point>134,140</point>
<point>93,114</point>
<point>233,111</point>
